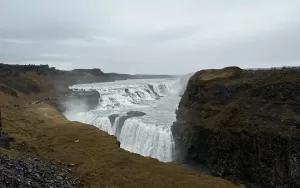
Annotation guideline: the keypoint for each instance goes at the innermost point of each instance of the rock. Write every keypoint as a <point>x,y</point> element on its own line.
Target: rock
<point>118,143</point>
<point>123,118</point>
<point>112,118</point>
<point>153,91</point>
<point>242,125</point>
<point>37,175</point>
<point>135,113</point>
<point>14,173</point>
<point>72,165</point>
<point>4,138</point>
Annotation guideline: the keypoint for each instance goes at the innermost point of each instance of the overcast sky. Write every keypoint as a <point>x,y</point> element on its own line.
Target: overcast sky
<point>150,36</point>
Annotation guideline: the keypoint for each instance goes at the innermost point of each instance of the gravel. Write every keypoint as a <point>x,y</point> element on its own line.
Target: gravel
<point>34,172</point>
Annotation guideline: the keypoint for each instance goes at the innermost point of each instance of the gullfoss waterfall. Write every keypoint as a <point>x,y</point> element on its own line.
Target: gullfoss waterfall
<point>139,113</point>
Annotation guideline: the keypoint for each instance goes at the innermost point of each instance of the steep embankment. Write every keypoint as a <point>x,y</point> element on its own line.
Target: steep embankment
<point>242,125</point>
<point>92,155</point>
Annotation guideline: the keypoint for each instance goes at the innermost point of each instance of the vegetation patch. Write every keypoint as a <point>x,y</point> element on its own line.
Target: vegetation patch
<point>7,90</point>
<point>221,116</point>
<point>216,74</point>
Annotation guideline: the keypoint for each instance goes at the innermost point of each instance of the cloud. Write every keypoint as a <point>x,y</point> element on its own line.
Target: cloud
<point>151,36</point>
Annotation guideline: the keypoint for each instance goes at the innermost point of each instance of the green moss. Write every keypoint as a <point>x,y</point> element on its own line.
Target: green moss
<point>211,109</point>
<point>209,75</point>
<point>221,118</point>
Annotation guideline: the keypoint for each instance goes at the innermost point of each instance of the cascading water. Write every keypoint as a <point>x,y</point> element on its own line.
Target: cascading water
<point>138,112</point>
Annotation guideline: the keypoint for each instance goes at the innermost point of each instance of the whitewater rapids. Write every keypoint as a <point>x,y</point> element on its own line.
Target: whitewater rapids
<point>149,135</point>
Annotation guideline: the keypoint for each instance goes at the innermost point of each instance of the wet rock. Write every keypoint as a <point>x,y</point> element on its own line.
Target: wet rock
<point>135,113</point>
<point>122,120</point>
<point>118,143</point>
<point>153,91</point>
<point>112,118</point>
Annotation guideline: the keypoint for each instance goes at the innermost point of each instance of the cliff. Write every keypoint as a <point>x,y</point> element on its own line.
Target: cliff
<point>243,125</point>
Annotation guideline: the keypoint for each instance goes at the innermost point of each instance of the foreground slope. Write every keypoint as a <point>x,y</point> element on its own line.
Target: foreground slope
<point>242,125</point>
<point>94,155</point>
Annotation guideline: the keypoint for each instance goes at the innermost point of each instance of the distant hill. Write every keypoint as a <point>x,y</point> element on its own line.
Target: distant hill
<point>72,77</point>
<point>18,80</point>
<point>117,76</point>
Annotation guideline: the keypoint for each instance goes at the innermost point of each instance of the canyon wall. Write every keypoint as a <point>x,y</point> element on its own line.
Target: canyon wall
<point>243,125</point>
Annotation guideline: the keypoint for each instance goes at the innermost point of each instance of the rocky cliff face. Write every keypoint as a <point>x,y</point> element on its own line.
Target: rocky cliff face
<point>243,125</point>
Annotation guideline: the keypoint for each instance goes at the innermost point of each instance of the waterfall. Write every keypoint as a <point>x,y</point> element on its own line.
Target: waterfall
<point>138,112</point>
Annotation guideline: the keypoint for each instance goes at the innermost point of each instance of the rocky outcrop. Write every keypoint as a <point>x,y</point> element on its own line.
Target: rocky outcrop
<point>242,125</point>
<point>4,138</point>
<point>112,118</point>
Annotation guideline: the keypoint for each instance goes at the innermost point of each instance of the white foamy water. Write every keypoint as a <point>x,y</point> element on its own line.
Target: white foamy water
<point>149,135</point>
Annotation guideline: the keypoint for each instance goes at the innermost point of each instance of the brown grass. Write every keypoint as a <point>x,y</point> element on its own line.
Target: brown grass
<point>214,74</point>
<point>41,130</point>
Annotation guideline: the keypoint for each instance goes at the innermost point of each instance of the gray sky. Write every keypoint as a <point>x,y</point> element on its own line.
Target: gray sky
<point>150,36</point>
